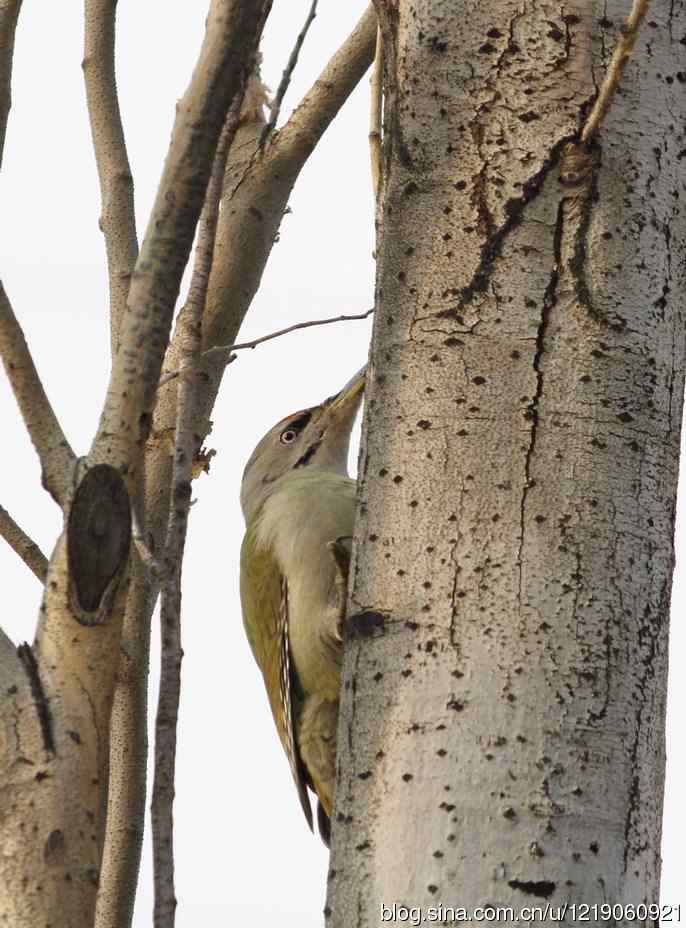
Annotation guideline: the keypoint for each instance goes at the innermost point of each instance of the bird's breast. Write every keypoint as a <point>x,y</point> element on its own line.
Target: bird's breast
<point>298,522</point>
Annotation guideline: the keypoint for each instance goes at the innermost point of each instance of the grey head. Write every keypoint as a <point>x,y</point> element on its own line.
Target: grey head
<point>317,439</point>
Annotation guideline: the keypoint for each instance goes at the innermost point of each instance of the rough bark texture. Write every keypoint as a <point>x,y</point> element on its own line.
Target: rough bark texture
<point>54,755</point>
<point>502,721</point>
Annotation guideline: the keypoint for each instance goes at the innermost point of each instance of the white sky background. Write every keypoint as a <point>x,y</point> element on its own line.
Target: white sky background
<point>243,851</point>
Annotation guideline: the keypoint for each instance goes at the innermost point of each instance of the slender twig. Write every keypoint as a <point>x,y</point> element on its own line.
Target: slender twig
<point>241,346</point>
<point>620,56</point>
<point>9,13</point>
<point>26,547</point>
<point>182,472</point>
<point>55,455</point>
<point>117,218</point>
<point>375,115</point>
<point>333,86</point>
<point>285,81</point>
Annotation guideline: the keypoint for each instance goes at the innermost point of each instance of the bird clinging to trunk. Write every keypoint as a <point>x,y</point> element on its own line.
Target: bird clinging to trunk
<point>299,508</point>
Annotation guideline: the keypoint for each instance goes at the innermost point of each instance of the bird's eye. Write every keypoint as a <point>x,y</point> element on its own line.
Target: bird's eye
<point>288,436</point>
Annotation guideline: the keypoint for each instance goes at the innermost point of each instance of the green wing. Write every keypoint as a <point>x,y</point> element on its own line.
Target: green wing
<point>264,598</point>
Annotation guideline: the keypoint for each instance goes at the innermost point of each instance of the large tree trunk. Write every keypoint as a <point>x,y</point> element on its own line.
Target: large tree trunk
<point>502,730</point>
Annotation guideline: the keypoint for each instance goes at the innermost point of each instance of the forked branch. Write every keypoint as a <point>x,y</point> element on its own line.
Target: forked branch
<point>233,29</point>
<point>117,217</point>
<point>265,184</point>
<point>321,103</point>
<point>55,455</point>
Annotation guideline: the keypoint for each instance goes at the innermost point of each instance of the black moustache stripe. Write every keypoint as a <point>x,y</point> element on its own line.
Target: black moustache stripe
<point>309,454</point>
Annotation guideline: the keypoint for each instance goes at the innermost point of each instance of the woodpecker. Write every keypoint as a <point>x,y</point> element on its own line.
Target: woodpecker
<point>299,507</point>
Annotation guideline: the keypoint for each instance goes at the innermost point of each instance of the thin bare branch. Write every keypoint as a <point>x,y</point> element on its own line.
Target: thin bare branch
<point>26,547</point>
<point>9,13</point>
<point>308,324</point>
<point>117,218</point>
<point>375,115</point>
<point>226,57</point>
<point>185,442</point>
<point>226,350</point>
<point>620,56</point>
<point>56,457</point>
<point>287,75</point>
<point>321,103</point>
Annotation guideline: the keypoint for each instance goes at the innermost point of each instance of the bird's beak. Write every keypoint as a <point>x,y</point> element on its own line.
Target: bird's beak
<point>345,404</point>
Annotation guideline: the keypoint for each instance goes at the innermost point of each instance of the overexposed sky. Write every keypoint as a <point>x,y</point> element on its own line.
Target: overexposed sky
<point>243,851</point>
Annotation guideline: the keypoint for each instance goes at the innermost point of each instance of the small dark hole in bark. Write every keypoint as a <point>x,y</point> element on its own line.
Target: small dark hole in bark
<point>542,889</point>
<point>366,624</point>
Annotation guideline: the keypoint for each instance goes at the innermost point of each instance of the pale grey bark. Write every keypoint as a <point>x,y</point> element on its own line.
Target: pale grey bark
<point>117,217</point>
<point>55,763</point>
<point>9,14</point>
<point>56,757</point>
<point>502,720</point>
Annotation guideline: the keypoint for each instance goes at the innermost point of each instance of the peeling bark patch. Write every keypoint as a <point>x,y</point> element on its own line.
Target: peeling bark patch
<point>98,537</point>
<point>366,624</point>
<point>28,659</point>
<point>144,426</point>
<point>542,889</point>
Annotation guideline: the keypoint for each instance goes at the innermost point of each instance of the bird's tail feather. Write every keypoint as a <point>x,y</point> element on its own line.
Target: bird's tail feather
<point>324,825</point>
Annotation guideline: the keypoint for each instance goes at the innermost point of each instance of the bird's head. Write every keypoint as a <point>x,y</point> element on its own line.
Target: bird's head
<point>317,439</point>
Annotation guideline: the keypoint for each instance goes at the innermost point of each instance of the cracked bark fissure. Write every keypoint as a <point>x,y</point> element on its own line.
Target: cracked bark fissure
<point>502,737</point>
